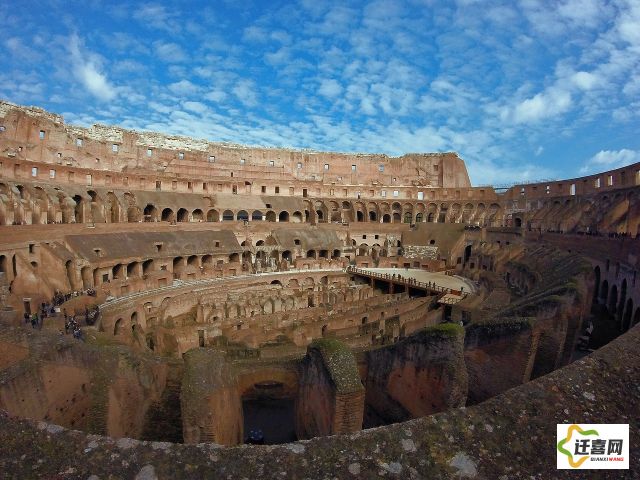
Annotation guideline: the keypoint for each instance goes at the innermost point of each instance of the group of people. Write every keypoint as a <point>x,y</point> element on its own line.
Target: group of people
<point>59,298</point>
<point>71,322</point>
<point>71,326</point>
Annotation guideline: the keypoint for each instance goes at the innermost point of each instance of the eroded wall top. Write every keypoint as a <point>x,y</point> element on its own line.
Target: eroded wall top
<point>31,133</point>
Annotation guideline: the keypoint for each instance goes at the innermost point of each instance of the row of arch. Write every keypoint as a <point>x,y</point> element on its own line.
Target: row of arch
<point>617,299</point>
<point>20,204</point>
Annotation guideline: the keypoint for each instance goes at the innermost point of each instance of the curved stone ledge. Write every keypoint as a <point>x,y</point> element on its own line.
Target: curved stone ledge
<point>512,435</point>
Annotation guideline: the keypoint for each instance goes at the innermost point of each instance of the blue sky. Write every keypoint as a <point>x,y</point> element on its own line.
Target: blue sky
<point>521,90</point>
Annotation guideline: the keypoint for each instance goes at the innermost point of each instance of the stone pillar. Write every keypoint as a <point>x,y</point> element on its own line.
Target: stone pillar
<point>209,398</point>
<point>331,395</point>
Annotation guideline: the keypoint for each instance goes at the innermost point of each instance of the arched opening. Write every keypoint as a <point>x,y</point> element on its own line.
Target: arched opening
<point>320,215</point>
<point>408,217</point>
<point>87,277</point>
<point>167,215</point>
<point>178,265</point>
<point>213,216</point>
<point>3,264</point>
<point>286,255</point>
<point>117,328</point>
<point>147,267</point>
<point>373,216</point>
<point>623,299</point>
<point>613,300</point>
<point>359,216</point>
<point>118,271</point>
<point>335,254</point>
<point>430,217</point>
<point>150,213</point>
<point>242,216</point>
<point>419,217</point>
<point>207,261</point>
<point>467,253</point>
<point>626,318</point>
<point>517,222</point>
<point>256,216</point>
<point>197,215</point>
<point>133,214</point>
<point>192,261</point>
<point>227,216</point>
<point>296,217</point>
<point>70,274</point>
<point>386,218</point>
<point>78,210</point>
<point>183,215</point>
<point>604,292</point>
<point>132,269</point>
<point>311,254</point>
<point>284,216</point>
<point>271,216</point>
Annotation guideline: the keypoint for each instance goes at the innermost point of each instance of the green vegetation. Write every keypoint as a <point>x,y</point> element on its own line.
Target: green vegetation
<point>341,364</point>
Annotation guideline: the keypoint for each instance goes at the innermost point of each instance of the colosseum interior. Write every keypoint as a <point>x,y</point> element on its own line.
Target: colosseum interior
<point>171,302</point>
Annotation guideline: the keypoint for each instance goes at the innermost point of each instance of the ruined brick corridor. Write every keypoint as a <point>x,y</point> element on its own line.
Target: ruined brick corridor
<point>326,293</point>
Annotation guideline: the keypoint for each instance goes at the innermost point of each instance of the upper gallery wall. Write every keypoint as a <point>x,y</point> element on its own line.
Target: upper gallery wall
<point>30,133</point>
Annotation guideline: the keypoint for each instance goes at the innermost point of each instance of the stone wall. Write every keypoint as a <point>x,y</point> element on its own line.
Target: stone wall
<point>420,375</point>
<point>331,398</point>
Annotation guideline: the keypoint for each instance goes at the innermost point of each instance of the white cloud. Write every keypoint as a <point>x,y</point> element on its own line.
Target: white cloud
<point>156,16</point>
<point>611,159</point>
<point>87,72</point>
<point>216,95</point>
<point>245,91</point>
<point>195,107</point>
<point>544,105</point>
<point>585,80</point>
<point>330,88</point>
<point>184,87</point>
<point>169,52</point>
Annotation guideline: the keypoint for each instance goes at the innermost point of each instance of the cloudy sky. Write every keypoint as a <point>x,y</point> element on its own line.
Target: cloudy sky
<point>522,90</point>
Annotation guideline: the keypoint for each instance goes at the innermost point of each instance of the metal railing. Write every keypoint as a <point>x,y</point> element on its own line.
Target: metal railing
<point>411,282</point>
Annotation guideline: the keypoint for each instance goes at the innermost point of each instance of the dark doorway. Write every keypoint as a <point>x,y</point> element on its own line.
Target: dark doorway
<point>275,417</point>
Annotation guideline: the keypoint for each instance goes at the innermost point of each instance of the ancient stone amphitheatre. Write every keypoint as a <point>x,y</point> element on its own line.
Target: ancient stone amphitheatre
<point>362,315</point>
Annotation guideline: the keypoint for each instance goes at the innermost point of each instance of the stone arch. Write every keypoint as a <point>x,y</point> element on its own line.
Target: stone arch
<point>167,215</point>
<point>271,216</point>
<point>256,216</point>
<point>150,213</point>
<point>623,299</point>
<point>134,214</point>
<point>283,216</point>
<point>182,215</point>
<point>242,216</point>
<point>613,299</point>
<point>604,292</point>
<point>296,217</point>
<point>213,215</point>
<point>71,277</point>
<point>197,215</point>
<point>117,327</point>
<point>227,216</point>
